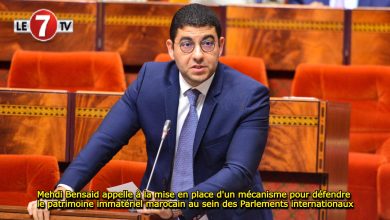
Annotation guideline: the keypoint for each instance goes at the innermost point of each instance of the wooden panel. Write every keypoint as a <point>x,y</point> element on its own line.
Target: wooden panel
<point>285,37</point>
<point>296,185</point>
<point>336,150</point>
<point>18,212</point>
<point>293,137</point>
<point>301,138</point>
<point>370,36</point>
<point>308,137</point>
<point>139,31</point>
<point>3,77</point>
<point>33,123</point>
<point>90,111</point>
<point>307,143</point>
<point>82,38</point>
<point>295,143</point>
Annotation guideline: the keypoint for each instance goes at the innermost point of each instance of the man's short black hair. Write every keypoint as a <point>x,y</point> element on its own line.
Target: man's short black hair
<point>195,15</point>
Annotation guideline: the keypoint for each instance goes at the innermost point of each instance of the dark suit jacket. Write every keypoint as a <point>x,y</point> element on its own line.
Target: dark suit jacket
<point>229,142</point>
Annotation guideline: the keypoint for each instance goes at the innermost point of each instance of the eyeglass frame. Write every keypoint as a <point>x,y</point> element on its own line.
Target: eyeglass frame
<point>208,38</point>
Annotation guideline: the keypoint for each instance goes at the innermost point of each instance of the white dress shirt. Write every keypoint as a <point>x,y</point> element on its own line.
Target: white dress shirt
<point>347,4</point>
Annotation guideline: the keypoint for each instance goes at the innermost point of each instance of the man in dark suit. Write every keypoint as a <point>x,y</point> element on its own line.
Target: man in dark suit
<point>219,122</point>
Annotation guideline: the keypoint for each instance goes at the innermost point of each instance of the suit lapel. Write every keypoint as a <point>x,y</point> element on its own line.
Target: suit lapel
<point>171,105</point>
<point>208,106</point>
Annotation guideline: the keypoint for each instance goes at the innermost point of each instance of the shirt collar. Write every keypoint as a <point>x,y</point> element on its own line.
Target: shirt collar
<point>202,88</point>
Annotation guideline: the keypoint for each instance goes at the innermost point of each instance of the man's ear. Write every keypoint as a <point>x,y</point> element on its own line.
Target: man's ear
<point>169,44</point>
<point>221,45</point>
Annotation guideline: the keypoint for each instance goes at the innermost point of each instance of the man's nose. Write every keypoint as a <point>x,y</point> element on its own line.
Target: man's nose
<point>197,53</point>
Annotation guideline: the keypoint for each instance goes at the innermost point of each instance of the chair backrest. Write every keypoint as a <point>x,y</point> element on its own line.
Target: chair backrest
<point>162,57</point>
<point>366,88</point>
<point>250,66</point>
<point>117,172</point>
<point>23,175</point>
<point>95,71</point>
<point>384,192</point>
<point>363,184</point>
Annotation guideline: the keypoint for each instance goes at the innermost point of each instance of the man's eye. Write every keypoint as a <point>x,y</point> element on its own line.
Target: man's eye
<point>208,43</point>
<point>186,44</point>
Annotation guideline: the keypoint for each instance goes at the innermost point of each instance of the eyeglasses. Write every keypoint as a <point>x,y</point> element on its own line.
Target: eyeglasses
<point>188,46</point>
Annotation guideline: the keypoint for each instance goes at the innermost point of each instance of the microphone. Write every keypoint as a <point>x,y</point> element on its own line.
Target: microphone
<point>166,128</point>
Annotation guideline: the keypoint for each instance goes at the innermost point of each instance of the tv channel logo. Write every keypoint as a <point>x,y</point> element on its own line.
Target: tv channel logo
<point>43,25</point>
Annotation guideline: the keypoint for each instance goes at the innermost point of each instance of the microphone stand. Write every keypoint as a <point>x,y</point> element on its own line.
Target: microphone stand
<point>167,126</point>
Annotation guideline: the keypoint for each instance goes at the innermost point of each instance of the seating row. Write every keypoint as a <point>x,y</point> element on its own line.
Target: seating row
<point>365,88</point>
<point>22,176</point>
<point>283,36</point>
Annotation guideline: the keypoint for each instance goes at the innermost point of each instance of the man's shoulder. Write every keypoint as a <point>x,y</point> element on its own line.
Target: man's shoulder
<point>159,66</point>
<point>159,70</point>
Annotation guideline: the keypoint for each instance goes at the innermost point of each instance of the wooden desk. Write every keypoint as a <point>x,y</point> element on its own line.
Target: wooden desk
<point>90,110</point>
<point>83,37</point>
<point>34,122</point>
<point>17,212</point>
<point>370,42</point>
<point>285,36</point>
<point>307,143</point>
